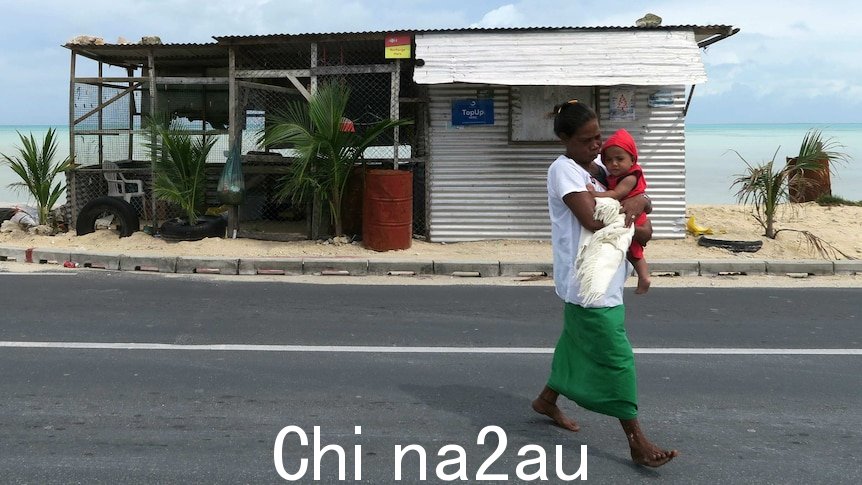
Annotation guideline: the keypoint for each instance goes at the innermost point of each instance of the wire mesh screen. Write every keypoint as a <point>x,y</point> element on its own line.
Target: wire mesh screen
<point>112,145</point>
<point>265,91</point>
<point>110,139</point>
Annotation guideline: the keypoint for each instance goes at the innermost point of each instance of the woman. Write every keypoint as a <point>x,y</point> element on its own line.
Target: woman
<point>593,362</point>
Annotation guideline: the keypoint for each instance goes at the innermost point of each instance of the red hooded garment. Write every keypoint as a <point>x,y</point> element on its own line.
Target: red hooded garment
<point>624,140</point>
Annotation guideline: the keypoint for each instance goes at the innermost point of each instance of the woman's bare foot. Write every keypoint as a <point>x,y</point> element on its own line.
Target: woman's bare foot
<point>643,451</point>
<point>546,404</point>
<point>552,411</point>
<point>643,285</point>
<point>647,453</point>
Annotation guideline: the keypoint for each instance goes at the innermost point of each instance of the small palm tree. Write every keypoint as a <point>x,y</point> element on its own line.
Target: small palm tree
<point>325,151</point>
<point>35,167</point>
<point>766,186</point>
<point>180,168</point>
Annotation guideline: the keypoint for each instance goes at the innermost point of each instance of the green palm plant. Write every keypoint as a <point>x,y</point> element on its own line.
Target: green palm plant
<point>817,153</point>
<point>766,186</point>
<point>180,168</point>
<point>325,151</point>
<point>35,166</point>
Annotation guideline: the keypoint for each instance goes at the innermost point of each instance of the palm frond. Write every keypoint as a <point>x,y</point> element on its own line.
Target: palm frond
<point>35,166</point>
<point>180,168</point>
<point>767,187</point>
<point>323,153</point>
<point>819,152</point>
<point>822,247</point>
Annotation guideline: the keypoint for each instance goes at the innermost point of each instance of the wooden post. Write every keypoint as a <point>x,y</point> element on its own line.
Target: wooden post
<point>101,119</point>
<point>130,72</point>
<point>395,109</point>
<point>233,136</point>
<point>72,189</point>
<point>151,63</point>
<point>313,65</point>
<point>315,213</point>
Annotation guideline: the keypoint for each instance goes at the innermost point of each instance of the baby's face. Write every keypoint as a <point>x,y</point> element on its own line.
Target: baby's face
<point>617,160</point>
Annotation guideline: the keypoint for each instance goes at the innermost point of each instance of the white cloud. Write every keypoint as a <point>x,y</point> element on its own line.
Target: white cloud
<point>785,51</point>
<point>505,16</point>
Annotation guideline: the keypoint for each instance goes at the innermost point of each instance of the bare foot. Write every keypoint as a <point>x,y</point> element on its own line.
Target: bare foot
<point>644,452</point>
<point>643,286</point>
<point>552,411</point>
<point>648,454</point>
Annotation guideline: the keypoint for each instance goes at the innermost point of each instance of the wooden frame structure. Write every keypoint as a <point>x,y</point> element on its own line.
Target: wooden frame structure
<point>231,61</point>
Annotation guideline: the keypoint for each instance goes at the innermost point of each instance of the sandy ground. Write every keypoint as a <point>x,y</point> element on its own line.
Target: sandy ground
<point>838,226</point>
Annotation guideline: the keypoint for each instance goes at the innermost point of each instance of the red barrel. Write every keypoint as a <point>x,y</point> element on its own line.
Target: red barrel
<point>387,210</point>
<point>808,185</point>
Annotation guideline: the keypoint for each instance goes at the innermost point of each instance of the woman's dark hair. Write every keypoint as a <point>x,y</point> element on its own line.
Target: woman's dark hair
<point>570,116</point>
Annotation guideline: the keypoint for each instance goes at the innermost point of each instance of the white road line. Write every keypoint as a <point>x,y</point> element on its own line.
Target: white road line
<point>406,350</point>
<point>36,273</point>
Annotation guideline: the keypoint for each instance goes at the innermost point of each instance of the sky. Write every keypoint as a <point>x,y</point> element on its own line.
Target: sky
<point>791,62</point>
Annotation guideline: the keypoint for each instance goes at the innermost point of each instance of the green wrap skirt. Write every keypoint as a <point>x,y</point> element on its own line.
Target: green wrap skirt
<point>594,365</point>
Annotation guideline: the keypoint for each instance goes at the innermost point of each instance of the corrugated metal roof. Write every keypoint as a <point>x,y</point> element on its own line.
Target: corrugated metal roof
<point>136,54</point>
<point>572,58</point>
<point>698,30</point>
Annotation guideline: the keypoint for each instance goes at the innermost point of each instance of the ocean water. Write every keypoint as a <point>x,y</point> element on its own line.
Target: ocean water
<point>710,162</point>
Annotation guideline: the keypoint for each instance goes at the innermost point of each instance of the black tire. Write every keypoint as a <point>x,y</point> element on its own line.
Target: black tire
<point>6,213</point>
<point>734,246</point>
<point>207,226</point>
<point>126,217</point>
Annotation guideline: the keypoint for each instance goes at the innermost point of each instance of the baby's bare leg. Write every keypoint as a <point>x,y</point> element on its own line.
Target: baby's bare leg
<point>642,270</point>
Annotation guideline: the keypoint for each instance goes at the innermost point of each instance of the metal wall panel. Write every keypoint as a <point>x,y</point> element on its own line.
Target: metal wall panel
<point>480,186</point>
<point>545,58</point>
<point>660,135</point>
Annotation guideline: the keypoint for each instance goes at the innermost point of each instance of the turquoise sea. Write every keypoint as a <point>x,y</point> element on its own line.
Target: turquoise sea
<point>710,163</point>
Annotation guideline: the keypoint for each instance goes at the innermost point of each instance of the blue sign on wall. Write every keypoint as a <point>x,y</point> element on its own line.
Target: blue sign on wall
<point>472,112</point>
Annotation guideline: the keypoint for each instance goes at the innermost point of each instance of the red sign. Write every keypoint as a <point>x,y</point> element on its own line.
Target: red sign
<point>398,46</point>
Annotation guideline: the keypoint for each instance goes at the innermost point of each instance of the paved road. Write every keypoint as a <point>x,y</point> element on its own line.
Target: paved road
<point>174,415</point>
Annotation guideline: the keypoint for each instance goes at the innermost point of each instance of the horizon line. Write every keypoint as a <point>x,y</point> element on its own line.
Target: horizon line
<point>712,123</point>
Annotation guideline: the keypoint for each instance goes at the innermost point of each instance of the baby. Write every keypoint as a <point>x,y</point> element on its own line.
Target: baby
<point>625,180</point>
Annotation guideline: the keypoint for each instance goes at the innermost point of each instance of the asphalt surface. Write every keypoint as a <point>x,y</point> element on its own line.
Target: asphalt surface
<point>85,415</point>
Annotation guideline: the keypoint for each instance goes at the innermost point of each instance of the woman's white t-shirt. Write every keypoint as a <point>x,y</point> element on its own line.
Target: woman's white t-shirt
<point>564,177</point>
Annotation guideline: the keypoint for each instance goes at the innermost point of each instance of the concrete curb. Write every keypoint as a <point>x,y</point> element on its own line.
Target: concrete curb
<point>98,261</point>
<point>13,254</point>
<point>229,266</point>
<point>674,268</point>
<point>400,267</point>
<point>467,268</point>
<point>47,255</point>
<point>154,263</point>
<point>335,267</point>
<point>405,267</point>
<point>718,267</point>
<point>811,267</point>
<point>270,266</point>
<point>848,267</point>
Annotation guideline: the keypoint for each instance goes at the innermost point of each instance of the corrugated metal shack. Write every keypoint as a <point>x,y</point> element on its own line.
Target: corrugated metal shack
<point>476,176</point>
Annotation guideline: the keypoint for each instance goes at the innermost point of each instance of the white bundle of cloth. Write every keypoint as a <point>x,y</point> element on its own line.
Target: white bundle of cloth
<point>600,253</point>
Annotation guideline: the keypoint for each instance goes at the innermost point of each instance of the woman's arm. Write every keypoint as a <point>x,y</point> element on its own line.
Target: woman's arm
<point>583,205</point>
<point>643,233</point>
<point>635,206</point>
